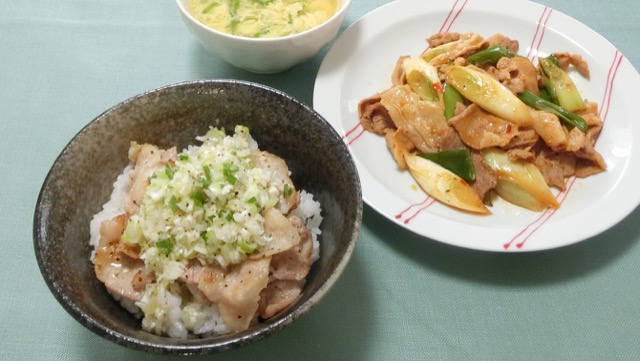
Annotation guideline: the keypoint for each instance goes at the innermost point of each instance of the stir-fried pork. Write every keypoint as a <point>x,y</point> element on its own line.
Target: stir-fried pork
<point>423,122</point>
<point>374,116</point>
<point>479,129</point>
<point>518,74</point>
<point>566,59</point>
<point>412,125</point>
<point>466,45</point>
<point>505,42</point>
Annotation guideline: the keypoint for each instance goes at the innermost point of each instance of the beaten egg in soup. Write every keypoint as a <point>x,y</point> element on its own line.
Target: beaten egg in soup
<point>263,18</point>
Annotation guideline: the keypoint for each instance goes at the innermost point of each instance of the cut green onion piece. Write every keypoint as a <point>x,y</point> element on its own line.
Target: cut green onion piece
<point>247,248</point>
<point>458,161</point>
<point>168,169</point>
<point>490,55</point>
<point>207,175</point>
<point>569,118</point>
<point>198,198</point>
<point>206,236</point>
<point>561,87</point>
<point>451,98</point>
<point>173,204</point>
<point>210,6</point>
<point>488,93</point>
<point>229,171</point>
<point>287,191</point>
<point>165,246</point>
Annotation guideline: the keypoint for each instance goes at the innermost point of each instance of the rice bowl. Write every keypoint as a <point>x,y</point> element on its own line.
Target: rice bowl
<point>315,154</point>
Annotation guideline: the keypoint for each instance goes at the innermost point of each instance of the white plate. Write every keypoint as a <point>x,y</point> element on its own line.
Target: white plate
<point>361,60</point>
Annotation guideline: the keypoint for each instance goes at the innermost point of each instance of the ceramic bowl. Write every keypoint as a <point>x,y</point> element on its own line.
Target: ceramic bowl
<point>265,55</point>
<point>81,179</point>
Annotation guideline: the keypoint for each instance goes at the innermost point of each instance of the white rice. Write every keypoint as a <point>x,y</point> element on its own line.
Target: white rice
<point>179,319</point>
<point>114,207</point>
<point>310,212</point>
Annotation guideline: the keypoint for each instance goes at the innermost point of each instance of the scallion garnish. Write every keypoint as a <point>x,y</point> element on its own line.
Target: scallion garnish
<point>198,198</point>
<point>229,171</point>
<point>173,204</point>
<point>210,6</point>
<point>246,248</point>
<point>207,174</point>
<point>165,246</point>
<point>287,191</point>
<point>168,170</point>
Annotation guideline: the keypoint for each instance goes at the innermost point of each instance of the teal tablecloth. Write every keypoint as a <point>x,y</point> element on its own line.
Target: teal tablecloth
<point>402,297</point>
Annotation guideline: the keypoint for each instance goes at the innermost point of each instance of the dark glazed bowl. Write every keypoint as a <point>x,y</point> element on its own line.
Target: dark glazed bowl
<point>81,180</point>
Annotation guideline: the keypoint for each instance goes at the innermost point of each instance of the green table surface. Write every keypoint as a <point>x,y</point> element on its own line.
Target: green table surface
<point>402,296</point>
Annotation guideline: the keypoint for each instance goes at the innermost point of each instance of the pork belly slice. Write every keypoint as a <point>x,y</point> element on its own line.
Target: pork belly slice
<point>479,129</point>
<point>373,116</point>
<point>118,267</point>
<point>278,171</point>
<point>147,159</point>
<point>423,122</point>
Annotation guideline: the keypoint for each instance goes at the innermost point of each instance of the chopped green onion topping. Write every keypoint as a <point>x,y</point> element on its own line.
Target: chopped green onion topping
<point>229,172</point>
<point>198,198</point>
<point>207,174</point>
<point>173,204</point>
<point>287,191</point>
<point>168,169</point>
<point>254,201</point>
<point>206,236</point>
<point>246,248</point>
<point>165,246</point>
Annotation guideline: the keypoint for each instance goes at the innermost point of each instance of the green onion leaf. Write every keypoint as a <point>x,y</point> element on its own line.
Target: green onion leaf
<point>206,236</point>
<point>458,161</point>
<point>247,248</point>
<point>490,55</point>
<point>287,191</point>
<point>168,169</point>
<point>173,204</point>
<point>570,119</point>
<point>198,198</point>
<point>451,99</point>
<point>229,171</point>
<point>253,201</point>
<point>165,246</point>
<point>210,6</point>
<point>234,6</point>
<point>207,175</point>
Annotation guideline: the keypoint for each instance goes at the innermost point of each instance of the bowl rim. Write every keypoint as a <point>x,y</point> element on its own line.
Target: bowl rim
<point>189,346</point>
<point>342,10</point>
